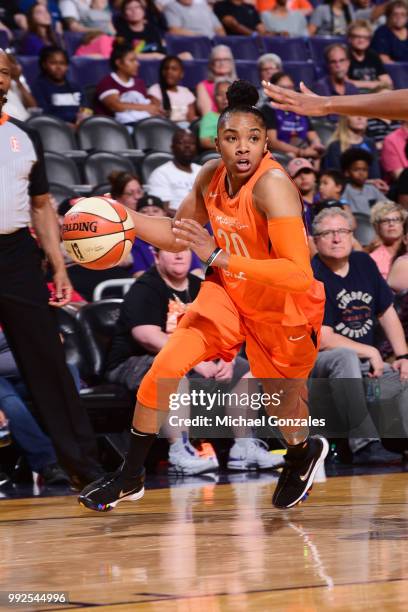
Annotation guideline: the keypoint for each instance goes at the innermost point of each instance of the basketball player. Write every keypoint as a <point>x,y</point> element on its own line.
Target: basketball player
<point>393,105</point>
<point>261,291</point>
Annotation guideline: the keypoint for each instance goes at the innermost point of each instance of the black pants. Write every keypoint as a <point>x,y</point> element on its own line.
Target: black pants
<point>31,329</point>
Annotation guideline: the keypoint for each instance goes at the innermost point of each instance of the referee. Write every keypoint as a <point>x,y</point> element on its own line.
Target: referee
<point>26,317</point>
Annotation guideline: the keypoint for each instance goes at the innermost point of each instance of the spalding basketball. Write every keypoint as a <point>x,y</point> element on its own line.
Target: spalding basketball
<point>98,233</point>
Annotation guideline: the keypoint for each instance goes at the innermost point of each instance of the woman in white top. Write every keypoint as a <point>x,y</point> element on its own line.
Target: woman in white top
<point>177,101</point>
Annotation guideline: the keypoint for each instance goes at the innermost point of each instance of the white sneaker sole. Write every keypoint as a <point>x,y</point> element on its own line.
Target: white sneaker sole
<point>173,467</point>
<point>133,497</point>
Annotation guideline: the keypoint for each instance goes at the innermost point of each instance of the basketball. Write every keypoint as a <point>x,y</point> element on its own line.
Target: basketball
<point>98,233</point>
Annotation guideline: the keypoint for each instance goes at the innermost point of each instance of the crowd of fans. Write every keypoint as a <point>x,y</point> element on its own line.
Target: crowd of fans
<point>351,172</point>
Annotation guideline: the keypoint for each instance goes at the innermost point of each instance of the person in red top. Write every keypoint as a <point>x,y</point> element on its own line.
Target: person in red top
<point>261,291</point>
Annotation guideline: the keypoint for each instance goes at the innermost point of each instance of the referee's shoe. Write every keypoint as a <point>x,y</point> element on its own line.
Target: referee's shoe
<point>299,471</point>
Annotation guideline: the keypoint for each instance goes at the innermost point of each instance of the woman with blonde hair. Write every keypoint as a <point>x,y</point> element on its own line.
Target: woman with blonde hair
<point>351,132</point>
<point>388,220</point>
<point>221,67</point>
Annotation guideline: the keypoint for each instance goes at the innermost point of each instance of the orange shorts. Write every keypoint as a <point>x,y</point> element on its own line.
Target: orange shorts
<point>213,328</point>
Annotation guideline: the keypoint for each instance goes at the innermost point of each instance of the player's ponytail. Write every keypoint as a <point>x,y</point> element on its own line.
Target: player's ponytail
<point>242,97</point>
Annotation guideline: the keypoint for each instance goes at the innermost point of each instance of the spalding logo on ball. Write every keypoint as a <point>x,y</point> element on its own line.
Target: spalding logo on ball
<point>98,233</point>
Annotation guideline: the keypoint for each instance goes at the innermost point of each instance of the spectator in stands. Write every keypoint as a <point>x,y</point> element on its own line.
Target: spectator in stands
<point>400,188</point>
<point>19,97</point>
<point>293,5</point>
<point>54,92</point>
<point>187,18</point>
<point>221,66</point>
<point>331,185</point>
<point>40,32</point>
<point>398,275</point>
<point>394,155</point>
<point>288,132</point>
<point>369,11</point>
<point>268,65</point>
<point>74,14</point>
<point>366,70</point>
<point>304,176</point>
<point>208,124</point>
<point>331,19</point>
<point>143,36</point>
<point>126,188</point>
<point>177,101</point>
<point>359,193</point>
<point>335,83</point>
<point>239,18</point>
<point>356,297</point>
<point>172,181</point>
<point>96,45</point>
<point>99,17</point>
<point>351,133</point>
<point>378,128</point>
<point>142,331</point>
<point>284,21</point>
<point>122,80</point>
<point>391,40</point>
<point>388,220</point>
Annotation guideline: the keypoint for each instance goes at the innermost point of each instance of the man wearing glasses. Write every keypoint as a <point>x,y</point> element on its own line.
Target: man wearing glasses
<point>357,298</point>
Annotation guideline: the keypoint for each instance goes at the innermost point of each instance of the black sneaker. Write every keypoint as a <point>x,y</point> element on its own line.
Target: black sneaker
<point>297,475</point>
<point>104,494</point>
<point>52,474</point>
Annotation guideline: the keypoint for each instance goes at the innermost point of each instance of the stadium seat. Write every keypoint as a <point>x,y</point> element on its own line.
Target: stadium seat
<point>399,74</point>
<point>103,134</point>
<point>88,71</point>
<point>323,128</point>
<point>72,41</point>
<point>99,165</point>
<point>61,169</point>
<point>153,161</point>
<point>31,69</point>
<point>61,192</point>
<point>123,283</point>
<point>281,157</point>
<point>194,72</point>
<point>248,71</point>
<point>101,189</point>
<point>301,71</point>
<point>4,40</point>
<point>198,46</point>
<point>288,49</point>
<point>154,134</point>
<point>317,45</point>
<point>242,47</point>
<point>149,71</point>
<point>206,156</point>
<point>56,135</point>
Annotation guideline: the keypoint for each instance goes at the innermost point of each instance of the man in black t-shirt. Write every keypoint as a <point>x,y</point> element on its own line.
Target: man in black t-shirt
<point>239,18</point>
<point>149,314</point>
<point>357,299</point>
<point>366,70</point>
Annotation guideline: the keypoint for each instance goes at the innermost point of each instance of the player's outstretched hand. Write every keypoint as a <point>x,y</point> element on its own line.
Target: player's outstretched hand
<point>304,103</point>
<point>62,291</point>
<point>194,236</point>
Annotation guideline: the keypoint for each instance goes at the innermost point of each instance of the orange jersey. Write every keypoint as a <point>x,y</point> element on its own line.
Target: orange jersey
<point>240,229</point>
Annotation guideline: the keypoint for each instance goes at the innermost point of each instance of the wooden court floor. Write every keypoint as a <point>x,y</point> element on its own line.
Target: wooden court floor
<point>216,548</point>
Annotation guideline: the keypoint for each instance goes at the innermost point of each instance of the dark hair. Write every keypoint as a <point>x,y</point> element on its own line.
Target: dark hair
<point>118,180</point>
<point>119,50</point>
<point>46,52</point>
<point>242,97</point>
<point>335,175</point>
<point>402,249</point>
<point>352,155</point>
<point>275,78</point>
<point>126,2</point>
<point>392,5</point>
<point>34,28</point>
<point>162,83</point>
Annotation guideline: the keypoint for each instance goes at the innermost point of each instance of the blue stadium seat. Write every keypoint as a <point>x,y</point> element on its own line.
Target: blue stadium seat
<point>4,40</point>
<point>29,64</point>
<point>248,71</point>
<point>72,41</point>
<point>301,71</point>
<point>318,44</point>
<point>288,49</point>
<point>149,71</point>
<point>399,74</point>
<point>199,46</point>
<point>88,71</point>
<point>194,72</point>
<point>242,47</point>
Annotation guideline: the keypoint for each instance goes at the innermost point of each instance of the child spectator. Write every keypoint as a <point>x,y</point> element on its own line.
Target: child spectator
<point>304,175</point>
<point>122,80</point>
<point>55,93</point>
<point>360,194</point>
<point>351,133</point>
<point>331,185</point>
<point>177,102</point>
